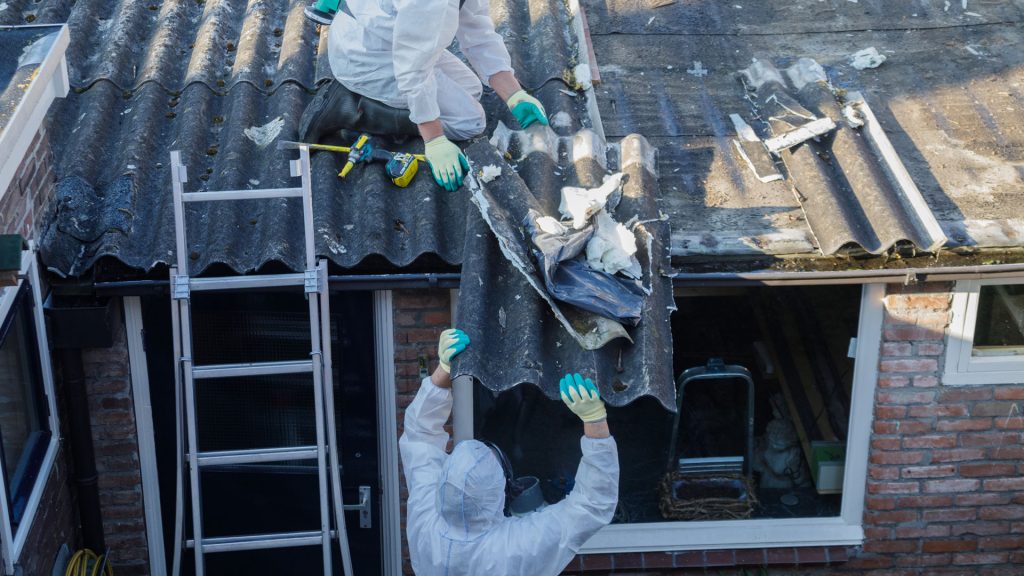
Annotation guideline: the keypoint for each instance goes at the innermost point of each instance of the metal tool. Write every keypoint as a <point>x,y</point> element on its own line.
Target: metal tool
<point>313,282</point>
<point>401,167</point>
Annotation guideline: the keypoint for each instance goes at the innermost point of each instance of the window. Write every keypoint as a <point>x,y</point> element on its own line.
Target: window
<point>986,337</point>
<point>770,445</point>
<point>28,445</point>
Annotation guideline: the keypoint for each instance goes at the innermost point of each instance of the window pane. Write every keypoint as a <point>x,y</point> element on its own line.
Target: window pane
<point>23,425</point>
<point>999,330</point>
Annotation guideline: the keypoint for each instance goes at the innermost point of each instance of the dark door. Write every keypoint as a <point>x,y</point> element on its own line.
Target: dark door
<point>268,412</point>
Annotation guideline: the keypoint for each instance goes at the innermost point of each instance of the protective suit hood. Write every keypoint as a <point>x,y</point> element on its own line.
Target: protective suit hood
<point>471,495</point>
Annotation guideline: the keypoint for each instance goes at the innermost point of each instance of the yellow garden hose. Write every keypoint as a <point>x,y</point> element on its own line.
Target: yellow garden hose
<point>87,563</point>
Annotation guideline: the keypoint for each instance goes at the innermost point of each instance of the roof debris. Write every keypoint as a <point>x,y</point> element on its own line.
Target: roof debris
<point>867,58</point>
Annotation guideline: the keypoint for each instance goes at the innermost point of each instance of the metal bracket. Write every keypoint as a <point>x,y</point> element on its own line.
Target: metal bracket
<point>311,281</point>
<point>179,287</point>
<point>365,501</point>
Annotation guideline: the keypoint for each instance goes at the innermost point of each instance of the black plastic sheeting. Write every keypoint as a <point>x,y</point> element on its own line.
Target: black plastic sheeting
<point>521,340</point>
<point>222,82</point>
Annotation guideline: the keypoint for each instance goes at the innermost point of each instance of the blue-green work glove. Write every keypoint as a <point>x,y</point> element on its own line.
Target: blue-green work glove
<point>582,397</point>
<point>447,163</point>
<point>527,109</point>
<point>452,342</point>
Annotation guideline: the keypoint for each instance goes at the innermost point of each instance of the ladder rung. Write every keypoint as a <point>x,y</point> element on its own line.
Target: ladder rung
<point>245,282</point>
<point>241,194</point>
<point>252,369</point>
<point>259,541</point>
<point>257,455</point>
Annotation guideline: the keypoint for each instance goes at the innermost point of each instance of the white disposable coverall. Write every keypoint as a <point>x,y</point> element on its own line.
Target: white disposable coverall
<point>395,52</point>
<point>454,513</point>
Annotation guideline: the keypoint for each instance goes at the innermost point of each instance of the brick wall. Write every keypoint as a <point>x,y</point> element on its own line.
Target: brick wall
<point>108,384</point>
<point>419,318</point>
<point>23,204</point>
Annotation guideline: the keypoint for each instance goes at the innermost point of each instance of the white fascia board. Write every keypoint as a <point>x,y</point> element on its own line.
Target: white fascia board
<point>724,535</point>
<point>51,82</point>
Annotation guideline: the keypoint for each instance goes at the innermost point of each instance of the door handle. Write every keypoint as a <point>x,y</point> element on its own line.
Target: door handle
<point>365,502</point>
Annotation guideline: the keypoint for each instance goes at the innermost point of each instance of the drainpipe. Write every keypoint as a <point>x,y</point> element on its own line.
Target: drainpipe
<point>82,453</point>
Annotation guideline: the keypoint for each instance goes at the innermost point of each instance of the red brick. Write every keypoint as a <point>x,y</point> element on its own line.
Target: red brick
<point>890,412</point>
<point>930,501</point>
<point>892,517</point>
<point>719,558</point>
<point>1009,393</point>
<point>884,473</point>
<point>891,546</point>
<point>1006,453</point>
<point>929,531</point>
<point>781,556</point>
<point>939,546</point>
<point>983,499</point>
<point>949,515</point>
<point>998,409</point>
<point>932,441</point>
<point>632,560</point>
<point>893,487</point>
<point>913,333</point>
<point>979,528</point>
<point>597,562</point>
<point>965,394</point>
<point>988,558</point>
<point>979,470</point>
<point>751,557</point>
<point>965,425</point>
<point>880,443</point>
<point>937,471</point>
<point>988,439</point>
<point>689,559</point>
<point>957,455</point>
<point>896,457</point>
<point>918,301</point>
<point>1001,543</point>
<point>864,562</point>
<point>897,349</point>
<point>958,485</point>
<point>879,502</point>
<point>658,560</point>
<point>941,410</point>
<point>889,381</point>
<point>1001,513</point>
<point>877,532</point>
<point>1015,423</point>
<point>925,381</point>
<point>929,349</point>
<point>909,365</point>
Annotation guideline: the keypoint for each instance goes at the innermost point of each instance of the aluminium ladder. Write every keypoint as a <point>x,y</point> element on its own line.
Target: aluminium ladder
<point>187,375</point>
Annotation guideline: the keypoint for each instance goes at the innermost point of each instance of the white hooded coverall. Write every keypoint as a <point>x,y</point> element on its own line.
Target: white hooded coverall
<point>395,52</point>
<point>454,518</point>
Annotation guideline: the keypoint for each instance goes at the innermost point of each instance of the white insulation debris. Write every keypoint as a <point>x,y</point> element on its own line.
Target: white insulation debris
<point>263,135</point>
<point>867,58</point>
<point>612,248</point>
<point>489,173</point>
<point>579,204</point>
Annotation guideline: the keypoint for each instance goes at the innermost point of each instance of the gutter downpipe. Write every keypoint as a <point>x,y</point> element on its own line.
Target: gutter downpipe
<point>82,452</point>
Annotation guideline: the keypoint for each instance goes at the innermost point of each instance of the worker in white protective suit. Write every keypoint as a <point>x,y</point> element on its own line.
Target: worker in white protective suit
<point>455,517</point>
<point>392,57</point>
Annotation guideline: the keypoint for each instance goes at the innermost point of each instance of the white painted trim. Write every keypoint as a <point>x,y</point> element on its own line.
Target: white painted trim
<point>147,442</point>
<point>12,544</point>
<point>961,367</point>
<point>387,433</point>
<point>50,82</point>
<point>843,530</point>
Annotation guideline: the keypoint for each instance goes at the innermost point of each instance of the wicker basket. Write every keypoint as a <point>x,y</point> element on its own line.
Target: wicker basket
<point>735,498</point>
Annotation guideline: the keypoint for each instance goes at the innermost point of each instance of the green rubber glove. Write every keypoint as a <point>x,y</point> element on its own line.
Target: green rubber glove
<point>582,397</point>
<point>527,109</point>
<point>446,162</point>
<point>452,342</point>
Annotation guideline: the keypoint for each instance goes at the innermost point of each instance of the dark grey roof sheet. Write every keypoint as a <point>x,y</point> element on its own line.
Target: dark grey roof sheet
<point>192,76</point>
<point>949,98</point>
<point>525,342</point>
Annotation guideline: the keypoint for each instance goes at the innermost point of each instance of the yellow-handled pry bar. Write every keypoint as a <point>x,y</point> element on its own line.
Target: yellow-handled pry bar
<point>291,145</point>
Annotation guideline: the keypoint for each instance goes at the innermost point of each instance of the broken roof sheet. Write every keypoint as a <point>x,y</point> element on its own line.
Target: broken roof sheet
<point>523,331</point>
<point>948,98</point>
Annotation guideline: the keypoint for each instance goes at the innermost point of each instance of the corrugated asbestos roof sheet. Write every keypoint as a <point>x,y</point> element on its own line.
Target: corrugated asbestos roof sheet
<point>948,97</point>
<point>221,81</point>
<point>525,342</point>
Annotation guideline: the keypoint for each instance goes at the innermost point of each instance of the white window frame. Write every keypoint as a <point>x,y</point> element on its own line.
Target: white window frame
<point>843,530</point>
<point>12,543</point>
<point>962,368</point>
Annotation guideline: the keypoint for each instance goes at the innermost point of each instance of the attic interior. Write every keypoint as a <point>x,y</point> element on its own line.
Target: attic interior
<point>781,350</point>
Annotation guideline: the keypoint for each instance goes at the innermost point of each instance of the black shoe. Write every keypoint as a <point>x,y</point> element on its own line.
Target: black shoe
<point>336,108</point>
<point>318,16</point>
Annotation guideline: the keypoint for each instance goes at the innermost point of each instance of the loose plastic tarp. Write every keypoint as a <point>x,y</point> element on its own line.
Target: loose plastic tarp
<point>570,279</point>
